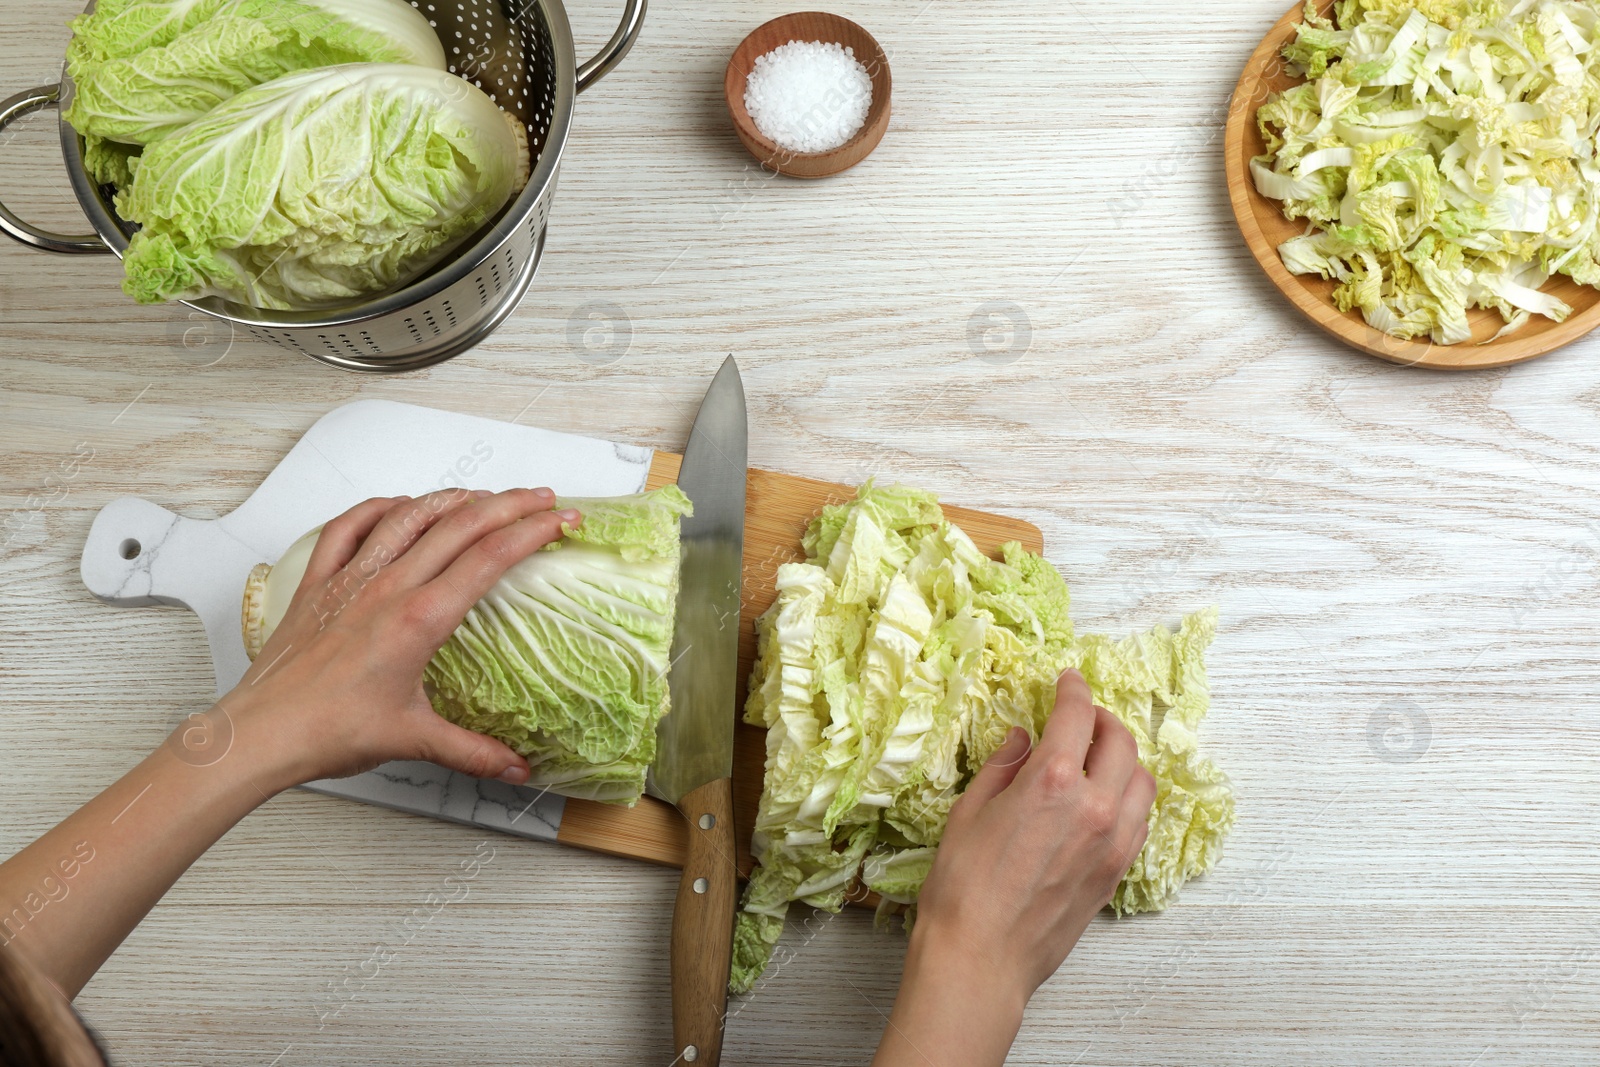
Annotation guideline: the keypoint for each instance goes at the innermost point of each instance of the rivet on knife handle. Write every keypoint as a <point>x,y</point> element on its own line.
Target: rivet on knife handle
<point>702,925</point>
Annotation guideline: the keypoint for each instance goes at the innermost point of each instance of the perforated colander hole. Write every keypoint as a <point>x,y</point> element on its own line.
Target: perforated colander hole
<point>289,340</point>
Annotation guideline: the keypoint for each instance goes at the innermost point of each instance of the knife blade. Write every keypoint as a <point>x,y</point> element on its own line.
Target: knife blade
<point>693,768</point>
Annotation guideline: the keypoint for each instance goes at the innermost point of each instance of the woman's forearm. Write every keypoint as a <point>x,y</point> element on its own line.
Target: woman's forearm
<point>335,692</point>
<point>952,1011</point>
<point>70,898</point>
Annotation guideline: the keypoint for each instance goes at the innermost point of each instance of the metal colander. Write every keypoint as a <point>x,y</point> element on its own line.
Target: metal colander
<point>520,52</point>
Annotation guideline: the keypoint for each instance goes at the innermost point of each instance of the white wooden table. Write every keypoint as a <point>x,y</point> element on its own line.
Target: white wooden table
<point>1405,562</point>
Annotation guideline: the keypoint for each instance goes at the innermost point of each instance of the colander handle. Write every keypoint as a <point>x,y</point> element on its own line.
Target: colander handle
<point>25,103</point>
<point>609,56</point>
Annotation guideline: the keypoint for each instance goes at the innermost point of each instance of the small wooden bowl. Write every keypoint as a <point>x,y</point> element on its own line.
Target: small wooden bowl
<point>809,26</point>
<point>1262,223</point>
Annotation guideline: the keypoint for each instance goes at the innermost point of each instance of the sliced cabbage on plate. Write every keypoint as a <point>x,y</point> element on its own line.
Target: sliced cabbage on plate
<point>1442,155</point>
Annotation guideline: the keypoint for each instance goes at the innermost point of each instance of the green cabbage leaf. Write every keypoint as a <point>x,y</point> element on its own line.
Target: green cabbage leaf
<point>1442,154</point>
<point>893,663</point>
<point>116,29</point>
<point>319,187</point>
<point>144,71</point>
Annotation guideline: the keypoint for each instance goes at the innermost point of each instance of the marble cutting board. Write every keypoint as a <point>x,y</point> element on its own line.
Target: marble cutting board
<point>139,553</point>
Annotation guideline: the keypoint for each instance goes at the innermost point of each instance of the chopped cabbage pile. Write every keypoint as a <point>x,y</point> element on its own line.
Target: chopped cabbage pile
<point>894,662</point>
<point>1443,154</point>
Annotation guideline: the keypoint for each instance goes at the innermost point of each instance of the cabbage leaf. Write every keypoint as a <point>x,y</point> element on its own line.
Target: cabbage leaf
<point>140,79</point>
<point>319,187</point>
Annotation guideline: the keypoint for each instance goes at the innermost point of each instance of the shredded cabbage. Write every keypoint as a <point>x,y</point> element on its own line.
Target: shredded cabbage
<point>894,662</point>
<point>1442,153</point>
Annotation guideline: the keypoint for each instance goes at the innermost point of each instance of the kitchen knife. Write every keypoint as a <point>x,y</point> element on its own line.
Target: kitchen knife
<point>693,769</point>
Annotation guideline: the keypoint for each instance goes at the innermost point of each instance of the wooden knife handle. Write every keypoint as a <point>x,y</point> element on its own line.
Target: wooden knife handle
<point>702,925</point>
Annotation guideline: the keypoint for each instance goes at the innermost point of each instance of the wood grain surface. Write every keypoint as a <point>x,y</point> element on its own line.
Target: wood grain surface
<point>1032,299</point>
<point>778,508</point>
<point>1264,228</point>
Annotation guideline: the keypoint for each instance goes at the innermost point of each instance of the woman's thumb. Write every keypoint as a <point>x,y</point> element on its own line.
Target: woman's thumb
<point>1000,769</point>
<point>471,753</point>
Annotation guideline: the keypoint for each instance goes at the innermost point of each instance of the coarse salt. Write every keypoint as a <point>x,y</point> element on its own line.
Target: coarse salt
<point>809,96</point>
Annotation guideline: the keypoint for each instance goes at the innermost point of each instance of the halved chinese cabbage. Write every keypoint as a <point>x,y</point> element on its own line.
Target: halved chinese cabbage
<point>319,187</point>
<point>140,79</point>
<point>565,659</point>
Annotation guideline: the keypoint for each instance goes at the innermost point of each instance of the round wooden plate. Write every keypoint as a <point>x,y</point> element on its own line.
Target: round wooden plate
<point>1264,227</point>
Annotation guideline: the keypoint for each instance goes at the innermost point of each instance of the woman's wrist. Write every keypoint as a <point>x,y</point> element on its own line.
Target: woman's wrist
<point>250,751</point>
<point>943,961</point>
<point>955,1005</point>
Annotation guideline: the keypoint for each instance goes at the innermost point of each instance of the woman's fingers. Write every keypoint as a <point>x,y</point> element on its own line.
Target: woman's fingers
<point>1113,754</point>
<point>452,535</point>
<point>1137,803</point>
<point>1065,737</point>
<point>381,535</point>
<point>342,537</point>
<point>474,572</point>
<point>401,529</point>
<point>470,753</point>
<point>1133,828</point>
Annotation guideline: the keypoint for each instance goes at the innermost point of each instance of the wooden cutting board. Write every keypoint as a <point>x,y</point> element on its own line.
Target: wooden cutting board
<point>778,508</point>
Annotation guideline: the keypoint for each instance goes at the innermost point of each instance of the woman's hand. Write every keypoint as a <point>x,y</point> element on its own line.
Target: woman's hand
<point>1033,849</point>
<point>337,690</point>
